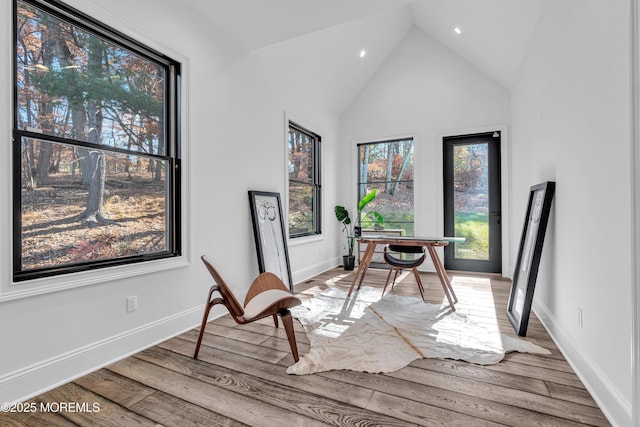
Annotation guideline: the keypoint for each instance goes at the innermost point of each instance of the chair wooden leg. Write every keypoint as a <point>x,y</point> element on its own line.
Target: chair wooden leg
<point>287,322</point>
<point>275,320</point>
<point>205,317</point>
<point>391,269</point>
<point>420,287</point>
<point>395,276</point>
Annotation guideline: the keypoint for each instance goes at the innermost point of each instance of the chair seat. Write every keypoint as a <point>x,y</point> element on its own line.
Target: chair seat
<point>403,263</point>
<point>265,299</point>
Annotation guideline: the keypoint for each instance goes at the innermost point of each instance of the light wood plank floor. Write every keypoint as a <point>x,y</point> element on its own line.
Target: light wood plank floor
<point>240,378</point>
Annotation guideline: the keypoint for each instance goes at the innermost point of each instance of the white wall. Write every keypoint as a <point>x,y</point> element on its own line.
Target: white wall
<point>235,105</point>
<point>570,109</point>
<point>570,123</point>
<point>426,91</point>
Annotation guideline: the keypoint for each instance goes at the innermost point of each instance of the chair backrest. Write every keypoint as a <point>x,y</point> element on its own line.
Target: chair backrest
<point>231,301</point>
<point>407,249</point>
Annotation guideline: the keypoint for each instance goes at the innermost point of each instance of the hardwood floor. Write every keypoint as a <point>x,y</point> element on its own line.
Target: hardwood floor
<point>240,378</point>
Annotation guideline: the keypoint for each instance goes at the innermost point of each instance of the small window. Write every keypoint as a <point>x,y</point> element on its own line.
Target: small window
<point>387,167</point>
<point>95,151</point>
<point>304,182</point>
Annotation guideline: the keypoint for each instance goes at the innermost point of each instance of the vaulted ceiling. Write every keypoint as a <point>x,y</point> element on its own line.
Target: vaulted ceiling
<point>494,33</point>
<point>321,40</point>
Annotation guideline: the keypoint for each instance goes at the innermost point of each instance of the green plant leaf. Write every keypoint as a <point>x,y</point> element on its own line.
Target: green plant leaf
<point>378,218</point>
<point>342,215</point>
<point>367,199</point>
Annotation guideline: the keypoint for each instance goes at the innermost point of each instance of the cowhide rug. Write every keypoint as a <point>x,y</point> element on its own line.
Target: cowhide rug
<point>369,334</point>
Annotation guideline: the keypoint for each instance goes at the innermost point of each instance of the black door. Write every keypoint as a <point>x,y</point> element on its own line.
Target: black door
<point>472,207</point>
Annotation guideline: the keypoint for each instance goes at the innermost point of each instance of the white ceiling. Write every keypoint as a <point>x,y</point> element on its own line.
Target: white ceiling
<point>258,23</point>
<point>495,33</point>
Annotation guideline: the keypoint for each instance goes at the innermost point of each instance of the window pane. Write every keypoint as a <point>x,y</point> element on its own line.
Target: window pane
<point>134,205</point>
<point>471,200</point>
<point>388,168</point>
<point>300,156</point>
<point>300,209</point>
<point>74,84</point>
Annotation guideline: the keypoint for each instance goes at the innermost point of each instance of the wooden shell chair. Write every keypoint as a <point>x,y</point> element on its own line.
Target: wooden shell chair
<point>267,296</point>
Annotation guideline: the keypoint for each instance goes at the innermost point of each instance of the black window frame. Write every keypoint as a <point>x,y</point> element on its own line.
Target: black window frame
<point>317,182</point>
<point>172,120</point>
<point>362,186</point>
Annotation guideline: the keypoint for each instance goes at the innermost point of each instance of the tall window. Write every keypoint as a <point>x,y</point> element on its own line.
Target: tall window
<point>304,182</point>
<point>387,167</point>
<point>95,152</point>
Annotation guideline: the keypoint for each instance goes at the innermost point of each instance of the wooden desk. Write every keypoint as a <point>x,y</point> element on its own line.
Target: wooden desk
<point>376,258</point>
<point>431,243</point>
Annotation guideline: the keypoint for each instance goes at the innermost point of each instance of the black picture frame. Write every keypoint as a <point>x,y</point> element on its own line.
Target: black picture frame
<point>269,234</point>
<point>529,254</point>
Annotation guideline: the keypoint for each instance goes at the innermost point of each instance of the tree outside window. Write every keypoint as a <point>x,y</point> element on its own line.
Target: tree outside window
<point>95,145</point>
<point>387,167</point>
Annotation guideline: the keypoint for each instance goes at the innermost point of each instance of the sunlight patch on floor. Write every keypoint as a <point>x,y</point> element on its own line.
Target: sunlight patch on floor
<point>335,279</point>
<point>476,289</point>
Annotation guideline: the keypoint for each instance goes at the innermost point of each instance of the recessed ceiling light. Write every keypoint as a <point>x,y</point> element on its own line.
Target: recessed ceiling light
<point>363,53</point>
<point>457,30</point>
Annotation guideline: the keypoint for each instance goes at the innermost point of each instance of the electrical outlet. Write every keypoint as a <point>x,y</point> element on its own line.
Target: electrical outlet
<point>132,303</point>
<point>580,317</point>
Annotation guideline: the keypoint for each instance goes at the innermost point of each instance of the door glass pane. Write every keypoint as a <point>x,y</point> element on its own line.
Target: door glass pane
<point>471,200</point>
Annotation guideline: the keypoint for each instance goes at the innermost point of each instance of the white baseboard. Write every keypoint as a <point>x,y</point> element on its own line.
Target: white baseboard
<point>315,269</point>
<point>615,407</point>
<point>23,384</point>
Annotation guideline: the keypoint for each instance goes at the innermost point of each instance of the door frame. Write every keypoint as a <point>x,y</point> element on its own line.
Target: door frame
<point>492,264</point>
<point>508,258</point>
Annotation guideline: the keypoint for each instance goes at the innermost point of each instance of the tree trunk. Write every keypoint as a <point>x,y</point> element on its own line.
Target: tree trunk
<point>158,173</point>
<point>405,161</point>
<point>28,180</point>
<point>95,197</point>
<point>45,108</point>
<point>363,172</point>
<point>389,168</point>
<point>44,161</point>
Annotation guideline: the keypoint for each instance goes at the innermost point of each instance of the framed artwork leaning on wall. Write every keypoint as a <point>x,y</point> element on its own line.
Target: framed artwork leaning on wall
<point>270,235</point>
<point>529,254</point>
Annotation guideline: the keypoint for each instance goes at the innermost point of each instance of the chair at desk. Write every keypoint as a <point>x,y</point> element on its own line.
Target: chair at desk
<point>397,264</point>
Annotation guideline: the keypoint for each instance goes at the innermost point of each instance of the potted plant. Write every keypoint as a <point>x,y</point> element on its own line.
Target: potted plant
<point>342,215</point>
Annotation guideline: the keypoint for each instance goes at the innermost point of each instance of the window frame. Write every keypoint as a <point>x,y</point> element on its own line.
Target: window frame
<point>172,115</point>
<point>317,180</point>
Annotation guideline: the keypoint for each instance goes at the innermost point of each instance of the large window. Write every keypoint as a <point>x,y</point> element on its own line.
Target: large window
<point>387,167</point>
<point>304,182</point>
<point>95,152</point>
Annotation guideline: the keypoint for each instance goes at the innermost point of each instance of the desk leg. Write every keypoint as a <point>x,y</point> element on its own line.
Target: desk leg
<point>363,266</point>
<point>444,279</point>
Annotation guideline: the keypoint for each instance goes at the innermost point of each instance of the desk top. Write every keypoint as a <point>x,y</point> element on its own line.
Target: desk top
<point>410,239</point>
